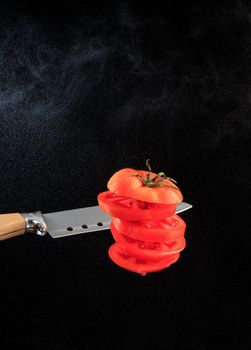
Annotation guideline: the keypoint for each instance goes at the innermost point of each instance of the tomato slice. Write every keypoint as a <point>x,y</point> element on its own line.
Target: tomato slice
<point>164,230</point>
<point>120,256</point>
<point>130,209</point>
<point>148,250</point>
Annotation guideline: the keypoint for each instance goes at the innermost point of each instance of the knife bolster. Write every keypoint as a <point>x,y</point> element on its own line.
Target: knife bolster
<point>11,225</point>
<point>34,223</point>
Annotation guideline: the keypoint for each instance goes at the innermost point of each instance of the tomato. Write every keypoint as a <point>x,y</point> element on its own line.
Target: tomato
<point>164,230</point>
<point>130,209</point>
<point>124,183</point>
<point>148,250</point>
<point>148,235</point>
<point>120,256</point>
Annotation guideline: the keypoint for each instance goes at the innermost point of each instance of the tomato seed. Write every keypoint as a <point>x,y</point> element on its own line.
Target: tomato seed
<point>171,222</point>
<point>141,245</point>
<point>170,244</point>
<point>148,225</point>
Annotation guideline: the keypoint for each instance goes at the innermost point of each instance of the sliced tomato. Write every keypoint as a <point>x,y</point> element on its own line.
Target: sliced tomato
<point>124,182</point>
<point>119,254</point>
<point>164,230</point>
<point>130,209</point>
<point>148,250</point>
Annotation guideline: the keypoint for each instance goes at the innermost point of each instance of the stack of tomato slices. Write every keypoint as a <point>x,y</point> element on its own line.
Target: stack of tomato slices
<point>148,235</point>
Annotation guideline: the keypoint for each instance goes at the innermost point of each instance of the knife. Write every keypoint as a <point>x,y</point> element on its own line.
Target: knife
<point>60,224</point>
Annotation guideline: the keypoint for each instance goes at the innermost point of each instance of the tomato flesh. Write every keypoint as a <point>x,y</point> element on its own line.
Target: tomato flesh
<point>167,229</point>
<point>119,255</point>
<point>148,250</point>
<point>130,209</point>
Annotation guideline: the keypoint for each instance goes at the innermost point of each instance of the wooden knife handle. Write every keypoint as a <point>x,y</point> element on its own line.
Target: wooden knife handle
<point>11,225</point>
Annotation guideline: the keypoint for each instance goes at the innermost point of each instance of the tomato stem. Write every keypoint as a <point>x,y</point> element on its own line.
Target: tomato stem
<point>147,181</point>
<point>148,165</point>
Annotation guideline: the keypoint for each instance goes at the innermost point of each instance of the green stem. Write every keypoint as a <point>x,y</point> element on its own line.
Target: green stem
<point>147,181</point>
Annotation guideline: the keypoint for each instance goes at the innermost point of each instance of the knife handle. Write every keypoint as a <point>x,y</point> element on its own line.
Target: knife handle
<point>11,225</point>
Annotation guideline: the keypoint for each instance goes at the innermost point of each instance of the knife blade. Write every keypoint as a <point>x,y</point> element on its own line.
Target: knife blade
<point>84,220</point>
<point>62,223</point>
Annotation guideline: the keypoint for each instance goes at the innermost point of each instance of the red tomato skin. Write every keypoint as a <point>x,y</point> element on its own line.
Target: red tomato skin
<point>133,214</point>
<point>152,231</point>
<point>159,251</point>
<point>134,264</point>
<point>124,183</point>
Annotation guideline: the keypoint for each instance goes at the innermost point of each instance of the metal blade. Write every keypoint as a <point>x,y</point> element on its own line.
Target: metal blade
<point>183,206</point>
<point>84,220</point>
<point>76,221</point>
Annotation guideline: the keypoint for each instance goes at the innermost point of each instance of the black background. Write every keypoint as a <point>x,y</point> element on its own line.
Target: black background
<point>85,90</point>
